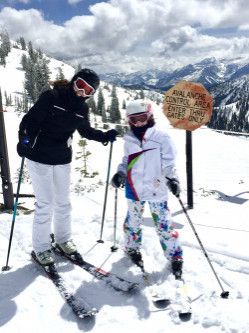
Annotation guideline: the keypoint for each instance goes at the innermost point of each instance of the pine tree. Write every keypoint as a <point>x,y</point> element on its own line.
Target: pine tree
<point>37,77</point>
<point>104,117</point>
<point>30,49</point>
<point>30,80</point>
<point>2,58</point>
<point>24,62</point>
<point>124,104</point>
<point>5,47</point>
<point>60,75</point>
<point>115,115</point>
<point>100,102</point>
<point>92,105</point>
<point>43,84</point>
<point>5,42</point>
<point>141,94</point>
<point>121,129</point>
<point>31,52</point>
<point>78,68</point>
<point>8,99</point>
<point>23,43</point>
<point>25,106</point>
<point>25,176</point>
<point>38,55</point>
<point>84,154</point>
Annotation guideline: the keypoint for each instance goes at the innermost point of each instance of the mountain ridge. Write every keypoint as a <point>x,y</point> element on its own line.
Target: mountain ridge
<point>209,72</point>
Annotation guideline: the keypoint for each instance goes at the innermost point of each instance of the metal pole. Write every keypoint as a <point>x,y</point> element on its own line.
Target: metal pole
<point>4,164</point>
<point>224,293</point>
<point>106,192</point>
<point>189,169</point>
<point>6,267</point>
<point>114,247</point>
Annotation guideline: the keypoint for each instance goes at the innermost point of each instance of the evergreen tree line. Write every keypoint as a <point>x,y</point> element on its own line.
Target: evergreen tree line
<point>21,104</point>
<point>226,118</point>
<point>110,114</point>
<point>5,47</point>
<point>37,73</point>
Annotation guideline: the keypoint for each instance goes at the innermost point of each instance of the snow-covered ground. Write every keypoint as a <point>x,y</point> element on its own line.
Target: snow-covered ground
<point>30,302</point>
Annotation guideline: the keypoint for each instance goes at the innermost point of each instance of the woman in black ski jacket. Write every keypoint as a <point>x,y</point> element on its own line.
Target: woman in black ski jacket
<point>45,136</point>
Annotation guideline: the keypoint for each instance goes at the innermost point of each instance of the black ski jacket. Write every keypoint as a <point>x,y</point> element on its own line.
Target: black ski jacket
<point>50,125</point>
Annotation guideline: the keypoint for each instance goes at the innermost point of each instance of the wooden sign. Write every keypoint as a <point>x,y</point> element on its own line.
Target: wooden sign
<point>188,105</point>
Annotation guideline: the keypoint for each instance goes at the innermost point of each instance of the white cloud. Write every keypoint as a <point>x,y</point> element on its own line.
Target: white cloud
<point>133,34</point>
<point>244,27</point>
<point>72,2</point>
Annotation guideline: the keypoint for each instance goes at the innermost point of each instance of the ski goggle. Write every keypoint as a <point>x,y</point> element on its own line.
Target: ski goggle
<point>140,119</point>
<point>83,86</point>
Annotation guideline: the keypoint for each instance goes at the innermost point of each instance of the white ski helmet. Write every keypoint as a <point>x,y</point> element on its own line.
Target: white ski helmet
<point>138,106</point>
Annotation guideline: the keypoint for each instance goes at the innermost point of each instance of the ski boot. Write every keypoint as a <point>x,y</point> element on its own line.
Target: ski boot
<point>45,258</point>
<point>136,258</point>
<point>176,266</point>
<point>68,247</point>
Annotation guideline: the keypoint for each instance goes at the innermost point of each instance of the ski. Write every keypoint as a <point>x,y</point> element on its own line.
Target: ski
<point>160,299</point>
<point>79,306</point>
<point>182,300</point>
<point>111,279</point>
<point>185,311</point>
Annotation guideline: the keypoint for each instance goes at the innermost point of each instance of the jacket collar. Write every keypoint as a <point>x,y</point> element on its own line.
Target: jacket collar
<point>130,136</point>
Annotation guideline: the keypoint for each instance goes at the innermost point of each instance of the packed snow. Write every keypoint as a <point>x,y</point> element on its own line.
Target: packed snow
<point>220,167</point>
<point>29,301</point>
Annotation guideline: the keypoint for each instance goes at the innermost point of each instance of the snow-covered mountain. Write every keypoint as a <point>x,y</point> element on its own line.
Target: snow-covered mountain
<point>231,91</point>
<point>209,72</point>
<point>226,80</point>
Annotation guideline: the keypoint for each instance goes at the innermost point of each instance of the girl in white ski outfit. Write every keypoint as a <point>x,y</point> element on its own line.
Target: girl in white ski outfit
<point>147,170</point>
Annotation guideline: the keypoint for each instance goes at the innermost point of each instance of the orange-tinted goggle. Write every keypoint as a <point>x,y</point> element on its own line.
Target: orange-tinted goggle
<point>85,87</point>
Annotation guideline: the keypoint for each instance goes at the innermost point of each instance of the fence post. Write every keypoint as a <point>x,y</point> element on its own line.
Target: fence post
<point>4,164</point>
<point>189,169</point>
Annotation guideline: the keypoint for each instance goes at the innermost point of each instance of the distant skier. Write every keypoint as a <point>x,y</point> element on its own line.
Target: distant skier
<point>45,136</point>
<point>147,168</point>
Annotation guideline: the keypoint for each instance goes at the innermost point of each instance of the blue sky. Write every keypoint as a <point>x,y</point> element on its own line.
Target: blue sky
<point>57,11</point>
<point>131,35</point>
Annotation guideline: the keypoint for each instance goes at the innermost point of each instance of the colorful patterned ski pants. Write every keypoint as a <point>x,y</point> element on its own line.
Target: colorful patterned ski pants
<point>168,237</point>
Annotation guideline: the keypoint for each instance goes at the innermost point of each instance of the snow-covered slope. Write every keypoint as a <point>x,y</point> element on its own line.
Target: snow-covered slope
<point>28,300</point>
<point>12,75</point>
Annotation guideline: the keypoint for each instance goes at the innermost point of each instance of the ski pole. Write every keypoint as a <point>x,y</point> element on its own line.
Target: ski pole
<point>106,192</point>
<point>6,267</point>
<point>224,293</point>
<point>114,247</point>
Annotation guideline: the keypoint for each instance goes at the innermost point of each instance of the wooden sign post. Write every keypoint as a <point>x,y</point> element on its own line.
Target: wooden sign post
<point>188,105</point>
<point>4,164</point>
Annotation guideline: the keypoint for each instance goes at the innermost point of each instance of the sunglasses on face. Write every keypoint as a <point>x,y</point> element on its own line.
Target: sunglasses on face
<point>83,86</point>
<point>139,118</point>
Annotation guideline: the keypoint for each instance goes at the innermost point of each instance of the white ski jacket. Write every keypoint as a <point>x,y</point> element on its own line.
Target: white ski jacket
<point>147,164</point>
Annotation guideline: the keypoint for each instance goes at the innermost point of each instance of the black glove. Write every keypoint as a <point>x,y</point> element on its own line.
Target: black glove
<point>110,136</point>
<point>174,186</point>
<point>118,179</point>
<point>24,147</point>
